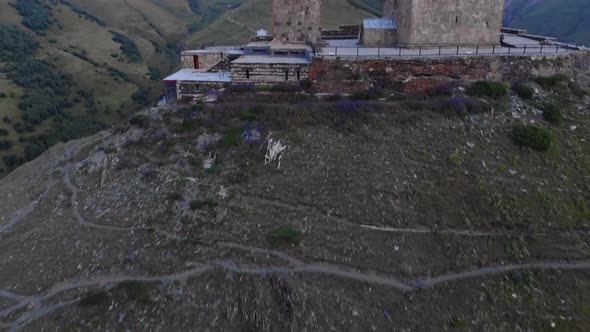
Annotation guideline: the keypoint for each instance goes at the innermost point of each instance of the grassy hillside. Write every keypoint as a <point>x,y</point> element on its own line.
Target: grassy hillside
<point>569,20</point>
<point>110,55</point>
<point>238,25</point>
<point>102,53</point>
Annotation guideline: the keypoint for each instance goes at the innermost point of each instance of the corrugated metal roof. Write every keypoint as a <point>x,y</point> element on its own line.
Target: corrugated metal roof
<point>213,51</point>
<point>199,76</point>
<point>386,23</point>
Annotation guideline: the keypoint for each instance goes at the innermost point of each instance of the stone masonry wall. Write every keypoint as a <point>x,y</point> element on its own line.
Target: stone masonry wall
<point>346,75</point>
<point>297,21</point>
<point>206,60</point>
<point>447,22</point>
<point>268,73</point>
<point>188,89</point>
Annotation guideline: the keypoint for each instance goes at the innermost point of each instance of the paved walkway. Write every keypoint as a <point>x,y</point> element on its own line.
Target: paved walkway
<point>445,51</point>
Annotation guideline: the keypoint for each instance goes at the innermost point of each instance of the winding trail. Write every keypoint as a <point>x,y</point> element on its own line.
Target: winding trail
<point>294,266</point>
<point>28,308</point>
<point>23,212</point>
<point>308,209</point>
<point>82,221</point>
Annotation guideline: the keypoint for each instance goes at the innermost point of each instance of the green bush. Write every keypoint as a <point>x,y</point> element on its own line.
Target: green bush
<point>12,161</point>
<point>33,150</point>
<point>201,204</point>
<point>361,95</point>
<point>487,89</point>
<point>15,44</point>
<point>174,196</point>
<point>36,16</point>
<point>523,90</point>
<point>552,113</point>
<point>109,149</point>
<point>155,74</point>
<point>247,115</point>
<point>534,137</point>
<point>285,235</point>
<point>577,90</point>
<point>141,97</point>
<point>5,144</point>
<point>100,298</point>
<point>140,120</point>
<point>233,137</point>
<point>3,95</point>
<point>137,291</point>
<point>548,82</point>
<point>127,47</point>
<point>3,132</point>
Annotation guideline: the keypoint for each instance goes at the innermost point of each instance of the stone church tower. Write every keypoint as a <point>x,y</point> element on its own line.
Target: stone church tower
<point>446,22</point>
<point>297,21</point>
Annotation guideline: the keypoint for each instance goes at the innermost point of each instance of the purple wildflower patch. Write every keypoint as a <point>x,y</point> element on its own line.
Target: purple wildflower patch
<point>252,133</point>
<point>148,172</point>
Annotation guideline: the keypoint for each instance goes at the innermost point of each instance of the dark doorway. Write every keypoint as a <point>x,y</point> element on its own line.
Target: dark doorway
<point>196,58</point>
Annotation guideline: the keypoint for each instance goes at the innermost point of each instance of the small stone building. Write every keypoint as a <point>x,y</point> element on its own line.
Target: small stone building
<point>212,59</point>
<point>188,85</point>
<point>378,32</point>
<point>446,22</point>
<point>202,71</point>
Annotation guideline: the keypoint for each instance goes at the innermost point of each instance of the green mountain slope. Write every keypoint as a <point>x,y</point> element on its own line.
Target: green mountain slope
<point>105,59</point>
<point>568,20</point>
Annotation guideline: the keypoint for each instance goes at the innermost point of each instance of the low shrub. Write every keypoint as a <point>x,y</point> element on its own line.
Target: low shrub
<point>3,95</point>
<point>445,89</point>
<point>577,90</point>
<point>201,204</point>
<point>174,196</point>
<point>247,115</point>
<point>5,144</point>
<point>455,158</point>
<point>548,82</point>
<point>136,291</point>
<point>487,89</point>
<point>148,173</point>
<point>283,87</point>
<point>109,149</point>
<point>461,105</point>
<point>140,120</point>
<point>552,113</point>
<point>242,87</point>
<point>100,298</point>
<point>232,137</point>
<point>534,137</point>
<point>3,132</point>
<point>305,84</point>
<point>285,235</point>
<point>13,161</point>
<point>263,88</point>
<point>523,90</point>
<point>333,97</point>
<point>361,95</point>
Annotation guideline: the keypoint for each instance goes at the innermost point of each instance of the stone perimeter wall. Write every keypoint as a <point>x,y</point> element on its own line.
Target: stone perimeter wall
<point>268,73</point>
<point>346,75</point>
